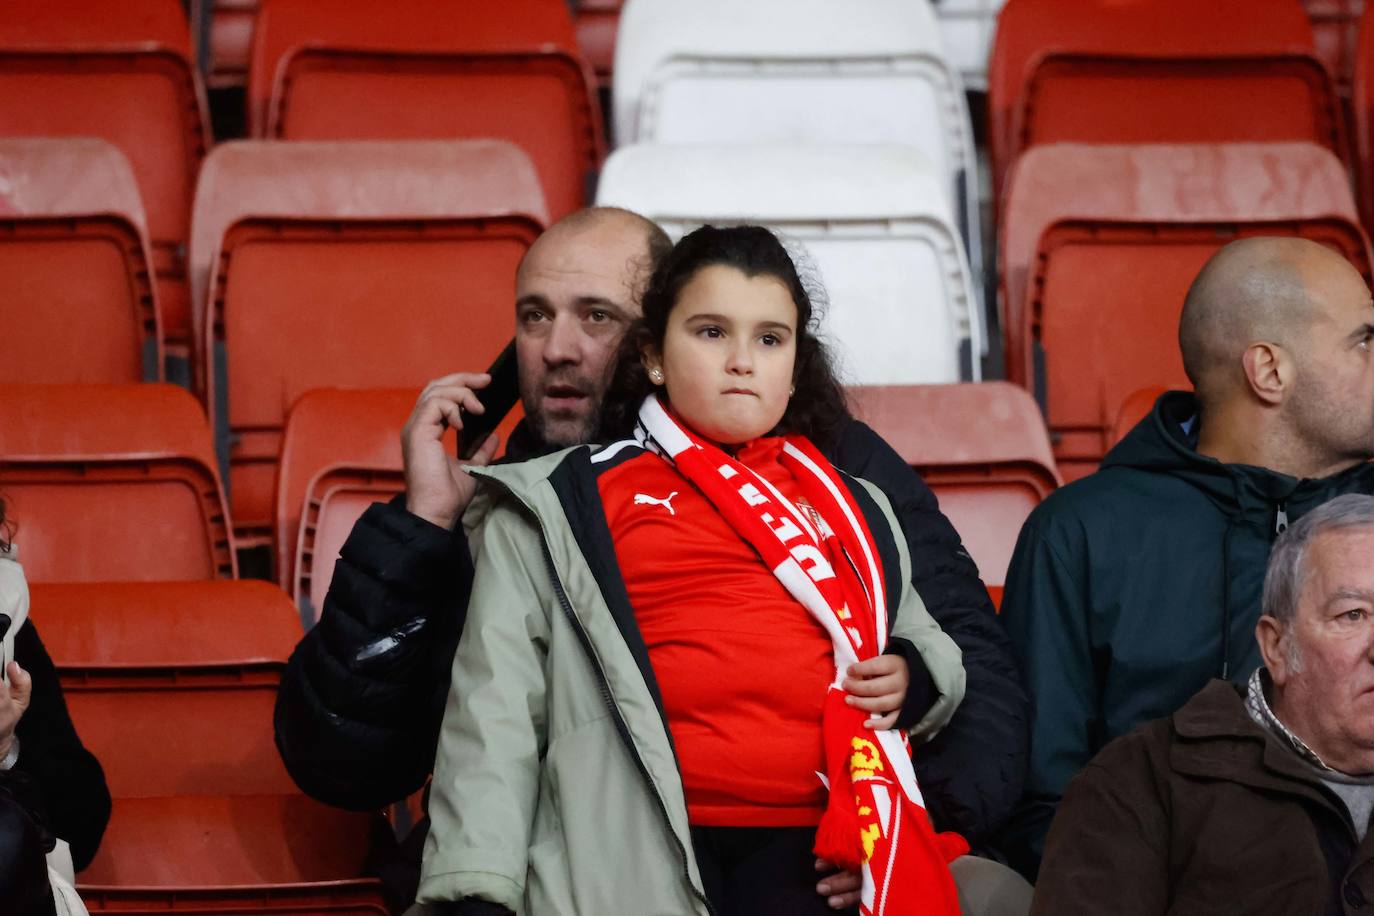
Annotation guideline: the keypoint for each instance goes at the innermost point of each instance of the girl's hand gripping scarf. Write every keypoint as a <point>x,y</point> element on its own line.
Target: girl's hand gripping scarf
<point>875,818</point>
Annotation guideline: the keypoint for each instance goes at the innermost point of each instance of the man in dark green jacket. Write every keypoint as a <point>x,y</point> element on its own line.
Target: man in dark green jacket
<point>1130,588</point>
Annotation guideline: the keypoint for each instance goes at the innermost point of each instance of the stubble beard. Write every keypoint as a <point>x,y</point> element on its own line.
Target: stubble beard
<point>562,431</point>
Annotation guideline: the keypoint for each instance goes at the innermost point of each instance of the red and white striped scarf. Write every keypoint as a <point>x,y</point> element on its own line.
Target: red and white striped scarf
<point>826,559</point>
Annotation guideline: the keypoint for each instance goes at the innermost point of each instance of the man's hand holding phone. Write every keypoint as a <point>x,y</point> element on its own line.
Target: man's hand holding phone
<point>437,489</point>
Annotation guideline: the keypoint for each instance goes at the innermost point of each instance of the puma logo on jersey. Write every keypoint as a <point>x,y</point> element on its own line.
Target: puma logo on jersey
<point>644,499</point>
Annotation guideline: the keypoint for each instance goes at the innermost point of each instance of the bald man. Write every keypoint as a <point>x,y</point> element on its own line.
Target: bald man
<point>1131,588</point>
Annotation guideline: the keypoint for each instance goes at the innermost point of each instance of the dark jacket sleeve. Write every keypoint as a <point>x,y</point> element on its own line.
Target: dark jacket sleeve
<point>362,699</point>
<point>1046,612</point>
<point>972,772</point>
<point>65,784</point>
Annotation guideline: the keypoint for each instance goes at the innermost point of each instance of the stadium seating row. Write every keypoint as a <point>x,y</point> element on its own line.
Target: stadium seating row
<point>118,483</point>
<point>677,83</point>
<point>171,685</point>
<point>124,73</point>
<point>311,265</point>
<point>1122,138</point>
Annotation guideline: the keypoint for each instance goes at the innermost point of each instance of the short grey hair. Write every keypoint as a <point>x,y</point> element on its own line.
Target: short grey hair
<point>1287,570</point>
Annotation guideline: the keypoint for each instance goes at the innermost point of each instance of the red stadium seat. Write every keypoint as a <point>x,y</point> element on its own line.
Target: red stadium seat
<point>76,265</point>
<point>417,69</point>
<point>185,674</point>
<point>1335,29</point>
<point>133,623</point>
<point>1363,104</point>
<point>121,72</point>
<point>112,482</point>
<point>1156,71</point>
<point>356,898</point>
<point>1129,227</point>
<point>1135,408</point>
<point>348,264</point>
<point>231,40</point>
<point>983,450</point>
<point>341,452</point>
<point>1141,271</point>
<point>596,22</point>
<point>218,809</point>
<point>1156,183</point>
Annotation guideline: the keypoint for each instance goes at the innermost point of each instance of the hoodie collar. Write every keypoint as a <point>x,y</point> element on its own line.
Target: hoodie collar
<point>1160,443</point>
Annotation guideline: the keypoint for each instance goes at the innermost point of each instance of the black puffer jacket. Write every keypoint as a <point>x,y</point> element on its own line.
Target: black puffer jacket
<point>55,779</point>
<point>362,700</point>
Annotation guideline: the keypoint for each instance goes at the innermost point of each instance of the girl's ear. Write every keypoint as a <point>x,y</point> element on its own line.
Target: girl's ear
<point>652,361</point>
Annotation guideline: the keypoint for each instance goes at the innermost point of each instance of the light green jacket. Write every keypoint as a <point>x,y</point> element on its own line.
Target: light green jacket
<point>556,790</point>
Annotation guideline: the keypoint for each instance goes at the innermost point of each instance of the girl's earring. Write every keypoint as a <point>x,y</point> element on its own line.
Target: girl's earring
<point>792,391</point>
<point>656,375</point>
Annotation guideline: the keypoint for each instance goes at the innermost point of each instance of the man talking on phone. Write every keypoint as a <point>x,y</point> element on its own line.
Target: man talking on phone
<point>360,706</point>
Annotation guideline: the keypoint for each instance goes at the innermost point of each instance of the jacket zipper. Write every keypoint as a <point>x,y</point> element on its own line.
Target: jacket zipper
<point>620,725</point>
<point>1280,517</point>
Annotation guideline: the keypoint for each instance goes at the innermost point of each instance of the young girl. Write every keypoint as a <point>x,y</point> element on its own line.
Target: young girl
<point>672,685</point>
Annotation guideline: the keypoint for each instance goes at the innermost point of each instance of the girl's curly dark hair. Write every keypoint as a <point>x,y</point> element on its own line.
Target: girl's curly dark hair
<point>816,410</point>
<point>6,528</point>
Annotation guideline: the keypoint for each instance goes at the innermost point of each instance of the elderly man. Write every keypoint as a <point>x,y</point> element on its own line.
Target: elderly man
<point>1133,587</point>
<point>1251,799</point>
<point>361,703</point>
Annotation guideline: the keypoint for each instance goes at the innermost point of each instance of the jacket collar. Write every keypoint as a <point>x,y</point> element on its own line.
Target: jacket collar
<point>1217,739</point>
<point>1160,443</point>
<point>1257,705</point>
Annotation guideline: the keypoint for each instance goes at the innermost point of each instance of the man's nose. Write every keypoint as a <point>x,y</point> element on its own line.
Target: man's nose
<point>563,344</point>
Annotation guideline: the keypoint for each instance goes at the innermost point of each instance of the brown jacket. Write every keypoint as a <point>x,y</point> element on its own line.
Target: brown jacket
<point>1203,813</point>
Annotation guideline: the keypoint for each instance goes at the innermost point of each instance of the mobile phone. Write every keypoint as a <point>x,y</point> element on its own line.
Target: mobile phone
<point>502,394</point>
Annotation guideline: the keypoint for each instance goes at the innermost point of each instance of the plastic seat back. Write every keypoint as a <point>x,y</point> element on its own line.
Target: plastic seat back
<point>967,28</point>
<point>1166,183</point>
<point>151,624</point>
<point>219,809</point>
<point>798,72</point>
<point>356,898</point>
<point>1134,408</point>
<point>231,40</point>
<point>340,453</point>
<point>121,72</point>
<point>1128,228</point>
<point>877,229</point>
<point>75,266</point>
<point>1335,36</point>
<point>418,69</point>
<point>349,264</point>
<point>186,674</point>
<point>982,448</point>
<point>597,22</point>
<point>113,482</point>
<point>1106,307</point>
<point>1362,102</point>
<point>1145,71</point>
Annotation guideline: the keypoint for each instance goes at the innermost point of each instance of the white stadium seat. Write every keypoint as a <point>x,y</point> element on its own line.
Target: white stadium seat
<point>967,27</point>
<point>797,71</point>
<point>874,220</point>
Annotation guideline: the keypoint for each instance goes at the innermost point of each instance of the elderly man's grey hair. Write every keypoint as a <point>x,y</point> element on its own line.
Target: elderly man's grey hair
<point>1287,570</point>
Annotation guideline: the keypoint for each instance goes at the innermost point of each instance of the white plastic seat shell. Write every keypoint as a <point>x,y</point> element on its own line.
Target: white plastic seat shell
<point>798,71</point>
<point>873,219</point>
